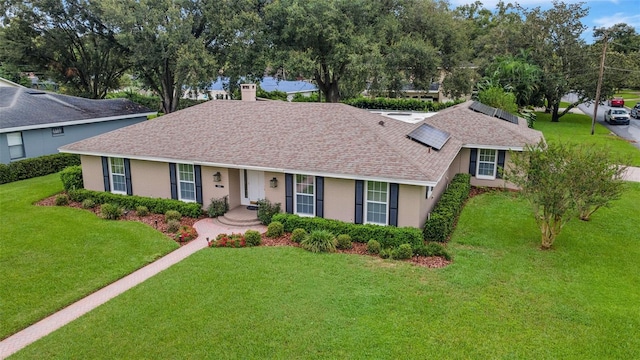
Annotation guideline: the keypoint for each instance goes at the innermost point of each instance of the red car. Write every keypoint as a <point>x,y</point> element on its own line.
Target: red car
<point>616,102</point>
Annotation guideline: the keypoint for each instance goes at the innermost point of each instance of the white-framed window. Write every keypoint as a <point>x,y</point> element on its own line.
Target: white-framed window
<point>305,191</point>
<point>16,147</point>
<point>186,183</point>
<point>377,202</point>
<point>117,176</point>
<point>487,161</point>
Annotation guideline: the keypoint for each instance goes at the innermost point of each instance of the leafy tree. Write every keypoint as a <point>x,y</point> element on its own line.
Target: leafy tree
<point>561,181</point>
<point>517,75</point>
<point>499,98</point>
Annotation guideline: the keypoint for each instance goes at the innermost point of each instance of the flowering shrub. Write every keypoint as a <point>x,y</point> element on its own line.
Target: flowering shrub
<point>226,240</point>
<point>185,233</point>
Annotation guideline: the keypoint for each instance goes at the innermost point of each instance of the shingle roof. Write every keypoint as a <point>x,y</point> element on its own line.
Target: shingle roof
<point>23,107</point>
<point>324,138</point>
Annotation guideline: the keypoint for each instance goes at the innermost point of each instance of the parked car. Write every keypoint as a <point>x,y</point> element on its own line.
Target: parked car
<point>617,116</point>
<point>635,111</point>
<point>616,102</point>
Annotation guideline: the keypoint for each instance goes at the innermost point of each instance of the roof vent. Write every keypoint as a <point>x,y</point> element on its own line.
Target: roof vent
<point>381,122</point>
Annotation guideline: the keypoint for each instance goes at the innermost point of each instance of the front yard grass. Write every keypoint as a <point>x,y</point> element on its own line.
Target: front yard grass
<point>501,298</point>
<point>576,128</point>
<point>631,97</point>
<point>53,256</point>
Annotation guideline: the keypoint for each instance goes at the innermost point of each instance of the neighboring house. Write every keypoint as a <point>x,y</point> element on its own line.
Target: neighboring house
<point>35,123</point>
<point>217,90</point>
<point>317,159</point>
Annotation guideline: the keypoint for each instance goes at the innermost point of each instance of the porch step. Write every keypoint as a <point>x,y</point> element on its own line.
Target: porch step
<point>240,216</point>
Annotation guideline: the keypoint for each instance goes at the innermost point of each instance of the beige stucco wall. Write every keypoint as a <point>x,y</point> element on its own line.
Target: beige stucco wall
<point>92,172</point>
<point>339,199</point>
<point>410,198</point>
<point>212,189</point>
<point>234,187</point>
<point>275,195</point>
<point>150,178</point>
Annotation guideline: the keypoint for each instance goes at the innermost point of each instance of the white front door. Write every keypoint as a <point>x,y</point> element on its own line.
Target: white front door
<point>251,186</point>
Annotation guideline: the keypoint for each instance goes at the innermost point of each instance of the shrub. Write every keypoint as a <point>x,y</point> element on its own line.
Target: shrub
<point>344,242</point>
<point>319,241</point>
<point>71,178</point>
<point>298,235</point>
<point>443,217</point>
<point>252,237</point>
<point>275,229</point>
<point>185,233</point>
<point>432,249</point>
<point>402,252</point>
<point>62,200</point>
<point>110,211</point>
<point>38,166</point>
<point>172,215</point>
<point>266,211</point>
<point>173,225</point>
<point>373,247</point>
<point>386,253</point>
<point>398,104</point>
<point>142,210</point>
<point>233,241</point>
<point>88,204</point>
<point>218,207</point>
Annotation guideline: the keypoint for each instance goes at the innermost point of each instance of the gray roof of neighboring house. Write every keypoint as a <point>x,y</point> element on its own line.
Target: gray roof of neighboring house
<point>23,108</point>
<point>318,138</point>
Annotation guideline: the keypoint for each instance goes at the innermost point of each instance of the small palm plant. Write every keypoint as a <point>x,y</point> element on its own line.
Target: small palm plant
<point>319,241</point>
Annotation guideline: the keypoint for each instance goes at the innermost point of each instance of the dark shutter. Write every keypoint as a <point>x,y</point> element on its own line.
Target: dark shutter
<point>198,175</point>
<point>472,162</point>
<point>288,193</point>
<point>320,196</point>
<point>358,218</point>
<point>127,175</point>
<point>394,190</point>
<point>105,173</point>
<point>174,181</point>
<point>501,154</point>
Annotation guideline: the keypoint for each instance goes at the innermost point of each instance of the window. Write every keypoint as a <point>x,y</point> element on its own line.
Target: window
<point>486,164</point>
<point>377,201</point>
<point>305,195</point>
<point>186,181</point>
<point>118,178</point>
<point>16,148</point>
<point>57,131</point>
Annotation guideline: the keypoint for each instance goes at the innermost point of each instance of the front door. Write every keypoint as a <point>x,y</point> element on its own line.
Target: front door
<point>251,186</point>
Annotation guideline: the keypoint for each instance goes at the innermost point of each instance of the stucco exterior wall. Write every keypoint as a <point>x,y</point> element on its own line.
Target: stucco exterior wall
<point>234,187</point>
<point>275,195</point>
<point>92,172</point>
<point>410,198</point>
<point>150,178</point>
<point>339,199</point>
<point>212,189</point>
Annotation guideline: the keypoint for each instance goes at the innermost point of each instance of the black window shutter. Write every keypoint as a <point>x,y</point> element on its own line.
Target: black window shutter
<point>472,162</point>
<point>288,193</point>
<point>174,181</point>
<point>359,202</point>
<point>198,177</point>
<point>105,173</point>
<point>320,196</point>
<point>127,175</point>
<point>394,190</point>
<point>501,154</point>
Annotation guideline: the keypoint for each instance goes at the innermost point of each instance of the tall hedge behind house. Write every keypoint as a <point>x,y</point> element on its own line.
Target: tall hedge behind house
<point>38,166</point>
<point>398,104</point>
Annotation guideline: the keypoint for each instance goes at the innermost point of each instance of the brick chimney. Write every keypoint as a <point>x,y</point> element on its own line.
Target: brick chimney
<point>248,92</point>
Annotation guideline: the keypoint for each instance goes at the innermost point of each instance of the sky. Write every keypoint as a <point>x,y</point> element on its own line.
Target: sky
<point>602,13</point>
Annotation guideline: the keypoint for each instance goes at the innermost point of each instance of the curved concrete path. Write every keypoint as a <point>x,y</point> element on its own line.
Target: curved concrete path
<point>206,228</point>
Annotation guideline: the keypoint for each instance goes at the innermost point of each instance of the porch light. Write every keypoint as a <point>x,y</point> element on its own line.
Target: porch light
<point>273,183</point>
<point>217,177</point>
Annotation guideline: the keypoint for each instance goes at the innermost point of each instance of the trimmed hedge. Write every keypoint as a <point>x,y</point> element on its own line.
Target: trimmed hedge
<point>443,217</point>
<point>71,178</point>
<point>38,166</point>
<point>155,205</point>
<point>398,104</point>
<point>388,236</point>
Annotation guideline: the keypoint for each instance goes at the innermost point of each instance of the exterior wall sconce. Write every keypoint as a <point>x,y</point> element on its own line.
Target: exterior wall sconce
<point>217,177</point>
<point>273,183</point>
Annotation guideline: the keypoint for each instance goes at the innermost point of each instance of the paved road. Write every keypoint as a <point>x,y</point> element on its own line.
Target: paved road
<point>630,132</point>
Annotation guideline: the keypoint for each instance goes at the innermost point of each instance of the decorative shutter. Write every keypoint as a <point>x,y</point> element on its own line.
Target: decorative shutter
<point>320,196</point>
<point>105,173</point>
<point>501,154</point>
<point>394,190</point>
<point>174,181</point>
<point>472,162</point>
<point>288,191</point>
<point>358,219</point>
<point>198,177</point>
<point>127,175</point>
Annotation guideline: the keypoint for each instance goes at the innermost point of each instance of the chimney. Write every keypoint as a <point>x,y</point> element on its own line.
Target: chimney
<point>248,92</point>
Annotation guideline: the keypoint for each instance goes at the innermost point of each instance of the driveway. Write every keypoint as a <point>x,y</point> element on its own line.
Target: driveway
<point>630,132</point>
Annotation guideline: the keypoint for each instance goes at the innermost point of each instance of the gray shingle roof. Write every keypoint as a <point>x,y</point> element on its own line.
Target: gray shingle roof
<point>324,138</point>
<point>23,107</point>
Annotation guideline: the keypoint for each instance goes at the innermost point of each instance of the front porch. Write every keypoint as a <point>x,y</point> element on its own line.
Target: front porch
<point>240,216</point>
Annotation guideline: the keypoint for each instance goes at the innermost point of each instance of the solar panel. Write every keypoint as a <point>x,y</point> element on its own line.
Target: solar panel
<point>493,112</point>
<point>507,116</point>
<point>429,136</point>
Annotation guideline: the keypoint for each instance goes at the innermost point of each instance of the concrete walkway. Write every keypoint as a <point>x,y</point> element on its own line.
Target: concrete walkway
<point>206,228</point>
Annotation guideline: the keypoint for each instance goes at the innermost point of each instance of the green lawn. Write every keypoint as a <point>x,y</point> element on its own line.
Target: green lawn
<point>52,256</point>
<point>631,97</point>
<point>501,298</point>
<point>577,128</point>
